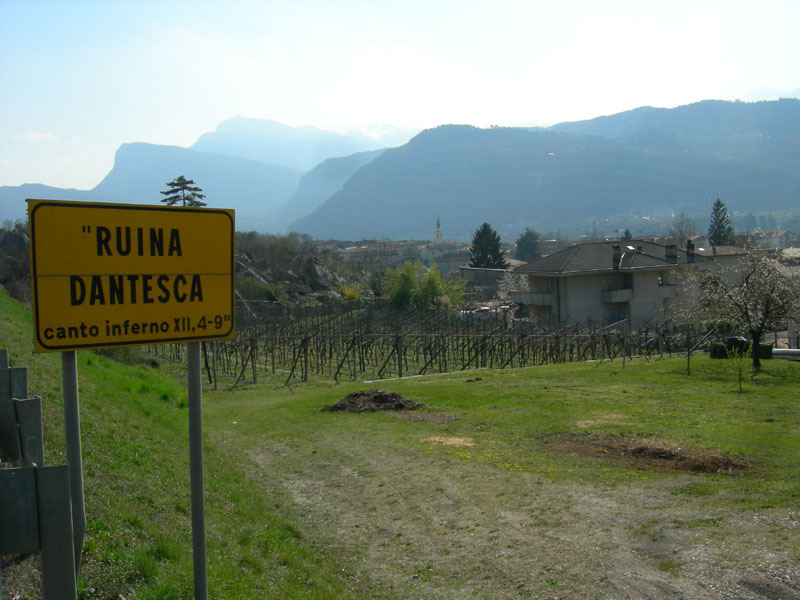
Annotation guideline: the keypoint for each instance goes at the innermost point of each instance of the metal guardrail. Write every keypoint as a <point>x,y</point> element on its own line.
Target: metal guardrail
<point>786,353</point>
<point>35,500</point>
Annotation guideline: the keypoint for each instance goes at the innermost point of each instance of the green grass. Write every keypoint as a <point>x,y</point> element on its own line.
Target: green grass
<point>513,414</point>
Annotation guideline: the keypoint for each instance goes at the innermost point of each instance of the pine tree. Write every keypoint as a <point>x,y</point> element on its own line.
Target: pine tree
<point>184,191</point>
<point>485,251</point>
<point>720,230</point>
<point>528,245</point>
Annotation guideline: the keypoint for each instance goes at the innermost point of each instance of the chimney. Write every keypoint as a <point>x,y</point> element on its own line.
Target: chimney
<point>689,251</point>
<point>616,255</point>
<point>671,253</point>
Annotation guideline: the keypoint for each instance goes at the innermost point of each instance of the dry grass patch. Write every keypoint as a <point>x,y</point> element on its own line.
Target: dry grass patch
<point>449,441</point>
<point>600,420</point>
<point>649,453</point>
<point>427,417</point>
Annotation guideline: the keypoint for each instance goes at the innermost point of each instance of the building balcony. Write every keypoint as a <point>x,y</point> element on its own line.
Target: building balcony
<point>617,296</point>
<point>532,299</point>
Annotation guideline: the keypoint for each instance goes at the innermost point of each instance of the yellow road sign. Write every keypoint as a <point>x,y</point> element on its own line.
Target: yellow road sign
<point>126,274</point>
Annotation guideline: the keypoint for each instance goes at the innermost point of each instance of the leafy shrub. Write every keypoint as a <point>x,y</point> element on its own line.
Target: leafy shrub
<point>350,291</point>
<point>413,286</point>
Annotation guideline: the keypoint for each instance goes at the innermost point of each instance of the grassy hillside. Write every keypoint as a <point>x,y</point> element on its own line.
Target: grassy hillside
<point>134,425</point>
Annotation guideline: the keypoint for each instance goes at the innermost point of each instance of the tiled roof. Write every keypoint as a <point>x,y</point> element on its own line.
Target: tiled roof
<point>590,257</point>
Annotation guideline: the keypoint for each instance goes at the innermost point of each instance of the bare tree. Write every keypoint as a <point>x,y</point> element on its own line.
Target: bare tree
<point>682,228</point>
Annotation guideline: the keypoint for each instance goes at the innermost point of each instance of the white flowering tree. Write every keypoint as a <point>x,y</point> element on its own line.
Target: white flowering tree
<point>755,297</point>
<point>511,282</point>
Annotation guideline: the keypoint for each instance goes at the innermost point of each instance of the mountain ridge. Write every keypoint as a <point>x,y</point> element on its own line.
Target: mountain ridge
<point>633,169</point>
<point>569,176</point>
<point>253,185</point>
<point>300,148</point>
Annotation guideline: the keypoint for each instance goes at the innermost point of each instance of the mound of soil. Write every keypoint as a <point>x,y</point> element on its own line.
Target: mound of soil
<point>371,401</point>
<point>652,454</point>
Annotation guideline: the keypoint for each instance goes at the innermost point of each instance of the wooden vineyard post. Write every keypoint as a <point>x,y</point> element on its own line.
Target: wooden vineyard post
<point>253,357</point>
<point>399,350</point>
<point>355,357</point>
<point>214,363</point>
<point>304,344</point>
<point>624,347</point>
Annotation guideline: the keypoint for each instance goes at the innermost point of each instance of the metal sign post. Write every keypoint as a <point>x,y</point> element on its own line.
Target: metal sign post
<point>72,439</point>
<point>196,469</point>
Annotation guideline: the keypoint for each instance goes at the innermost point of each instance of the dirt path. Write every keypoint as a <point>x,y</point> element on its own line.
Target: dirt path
<point>422,520</point>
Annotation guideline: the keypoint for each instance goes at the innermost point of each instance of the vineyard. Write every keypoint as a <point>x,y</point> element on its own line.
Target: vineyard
<point>367,341</point>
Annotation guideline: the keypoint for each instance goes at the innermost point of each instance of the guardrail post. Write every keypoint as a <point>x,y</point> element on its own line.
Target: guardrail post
<point>13,384</point>
<point>59,568</point>
<point>29,420</point>
<point>19,527</point>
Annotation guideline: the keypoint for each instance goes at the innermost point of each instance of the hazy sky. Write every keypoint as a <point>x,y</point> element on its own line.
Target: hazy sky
<point>79,78</point>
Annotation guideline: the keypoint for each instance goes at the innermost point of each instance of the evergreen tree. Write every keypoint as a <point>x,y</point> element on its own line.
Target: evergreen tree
<point>184,191</point>
<point>528,245</point>
<point>720,230</point>
<point>485,251</point>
